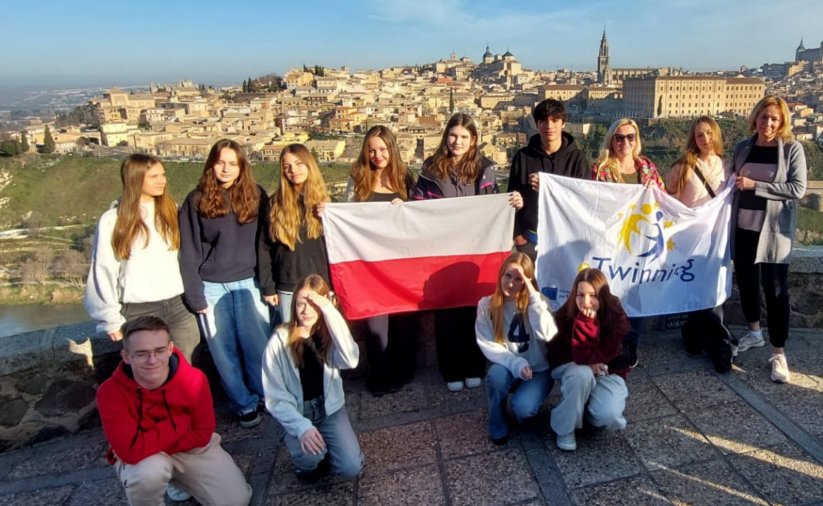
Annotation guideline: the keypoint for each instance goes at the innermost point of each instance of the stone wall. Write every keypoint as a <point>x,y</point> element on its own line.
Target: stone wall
<point>48,379</point>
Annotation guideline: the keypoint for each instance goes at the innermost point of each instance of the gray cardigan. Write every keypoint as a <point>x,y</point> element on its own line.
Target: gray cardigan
<point>782,195</point>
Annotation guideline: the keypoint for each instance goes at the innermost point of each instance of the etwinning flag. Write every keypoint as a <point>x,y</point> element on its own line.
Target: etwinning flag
<point>659,256</point>
<point>430,254</point>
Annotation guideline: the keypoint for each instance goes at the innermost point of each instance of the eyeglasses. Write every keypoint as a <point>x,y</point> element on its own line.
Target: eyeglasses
<point>618,138</point>
<point>144,355</point>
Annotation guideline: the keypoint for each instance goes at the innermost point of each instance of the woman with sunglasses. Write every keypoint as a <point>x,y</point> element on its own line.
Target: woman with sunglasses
<point>620,160</point>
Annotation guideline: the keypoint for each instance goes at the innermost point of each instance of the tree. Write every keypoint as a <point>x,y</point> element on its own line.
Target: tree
<point>36,267</point>
<point>24,142</point>
<point>48,141</point>
<point>72,266</point>
<point>9,147</point>
<point>451,100</point>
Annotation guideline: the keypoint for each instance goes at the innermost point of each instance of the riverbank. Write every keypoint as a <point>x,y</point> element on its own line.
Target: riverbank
<point>11,295</point>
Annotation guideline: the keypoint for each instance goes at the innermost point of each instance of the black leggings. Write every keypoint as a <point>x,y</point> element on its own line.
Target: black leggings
<point>775,280</point>
<point>458,356</point>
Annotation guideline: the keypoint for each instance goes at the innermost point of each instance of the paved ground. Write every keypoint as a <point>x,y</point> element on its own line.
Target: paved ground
<point>694,437</point>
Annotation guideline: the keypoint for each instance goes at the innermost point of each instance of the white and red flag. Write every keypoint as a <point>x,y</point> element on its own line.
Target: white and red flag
<point>430,254</point>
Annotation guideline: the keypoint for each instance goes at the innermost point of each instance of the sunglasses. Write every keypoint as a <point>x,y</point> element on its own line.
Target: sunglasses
<point>618,138</point>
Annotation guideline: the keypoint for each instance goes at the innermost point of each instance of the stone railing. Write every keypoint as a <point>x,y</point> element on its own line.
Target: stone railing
<point>48,378</point>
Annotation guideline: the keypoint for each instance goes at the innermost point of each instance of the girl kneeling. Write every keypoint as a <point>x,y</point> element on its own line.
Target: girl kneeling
<point>513,326</point>
<point>589,359</point>
<point>304,391</point>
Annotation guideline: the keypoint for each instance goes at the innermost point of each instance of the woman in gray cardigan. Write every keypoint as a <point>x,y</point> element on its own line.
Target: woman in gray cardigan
<point>770,177</point>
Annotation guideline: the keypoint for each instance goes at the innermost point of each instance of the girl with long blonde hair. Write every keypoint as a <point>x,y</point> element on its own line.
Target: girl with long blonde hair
<point>513,326</point>
<point>134,268</point>
<point>620,160</point>
<point>219,225</point>
<point>293,230</point>
<point>699,174</point>
<point>304,391</point>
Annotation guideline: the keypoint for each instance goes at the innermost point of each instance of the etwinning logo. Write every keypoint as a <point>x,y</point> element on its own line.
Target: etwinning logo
<point>641,236</point>
<point>643,232</point>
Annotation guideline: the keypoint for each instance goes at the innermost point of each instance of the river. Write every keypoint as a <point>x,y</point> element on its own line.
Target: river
<point>21,318</point>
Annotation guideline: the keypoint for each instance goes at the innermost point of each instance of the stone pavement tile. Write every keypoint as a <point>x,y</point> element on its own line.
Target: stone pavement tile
<point>231,431</point>
<point>398,447</point>
<point>98,493</point>
<point>88,451</point>
<point>801,400</point>
<point>332,494</point>
<point>629,492</point>
<point>414,486</point>
<point>502,477</point>
<point>646,400</point>
<point>663,353</point>
<point>783,473</point>
<point>37,497</point>
<point>464,434</point>
<point>283,479</point>
<point>695,389</point>
<point>668,442</point>
<point>712,482</point>
<point>411,398</point>
<point>600,456</point>
<point>736,428</point>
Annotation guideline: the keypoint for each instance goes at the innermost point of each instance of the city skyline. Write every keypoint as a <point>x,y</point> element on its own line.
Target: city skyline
<point>85,43</point>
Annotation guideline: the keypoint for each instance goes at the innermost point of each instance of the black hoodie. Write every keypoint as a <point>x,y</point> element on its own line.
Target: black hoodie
<point>568,161</point>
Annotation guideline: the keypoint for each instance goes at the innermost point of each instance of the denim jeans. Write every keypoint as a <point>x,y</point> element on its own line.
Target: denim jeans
<point>237,331</point>
<point>284,305</point>
<point>181,322</point>
<point>526,401</point>
<point>338,435</point>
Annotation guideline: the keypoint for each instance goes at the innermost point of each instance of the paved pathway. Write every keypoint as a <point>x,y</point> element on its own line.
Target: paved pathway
<point>694,437</point>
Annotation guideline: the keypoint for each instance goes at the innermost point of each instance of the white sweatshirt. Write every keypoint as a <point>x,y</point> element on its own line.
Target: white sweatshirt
<point>151,274</point>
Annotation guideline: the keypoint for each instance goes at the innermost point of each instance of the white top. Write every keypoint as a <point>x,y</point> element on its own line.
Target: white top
<point>528,349</point>
<point>694,192</point>
<point>151,274</point>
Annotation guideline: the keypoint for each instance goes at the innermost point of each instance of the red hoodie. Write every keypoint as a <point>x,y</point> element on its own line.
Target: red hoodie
<point>177,417</point>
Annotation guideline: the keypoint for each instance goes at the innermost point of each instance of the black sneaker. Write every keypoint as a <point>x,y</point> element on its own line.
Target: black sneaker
<point>313,475</point>
<point>250,419</point>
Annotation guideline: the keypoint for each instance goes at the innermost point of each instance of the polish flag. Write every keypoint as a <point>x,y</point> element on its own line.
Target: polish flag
<point>429,254</point>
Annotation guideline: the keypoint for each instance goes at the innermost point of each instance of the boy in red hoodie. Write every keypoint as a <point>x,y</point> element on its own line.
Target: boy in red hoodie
<point>158,417</point>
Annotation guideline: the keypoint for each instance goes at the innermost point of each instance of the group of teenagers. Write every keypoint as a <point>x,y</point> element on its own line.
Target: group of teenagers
<point>230,253</point>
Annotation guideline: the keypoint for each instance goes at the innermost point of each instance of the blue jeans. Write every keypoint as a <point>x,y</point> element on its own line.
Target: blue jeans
<point>237,331</point>
<point>526,401</point>
<point>341,442</point>
<point>284,305</point>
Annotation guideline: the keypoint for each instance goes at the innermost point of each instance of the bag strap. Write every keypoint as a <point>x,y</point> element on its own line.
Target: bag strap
<point>703,180</point>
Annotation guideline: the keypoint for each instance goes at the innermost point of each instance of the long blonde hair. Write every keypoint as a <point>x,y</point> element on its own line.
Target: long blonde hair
<point>689,159</point>
<point>129,225</point>
<point>291,210</point>
<point>521,299</point>
<point>363,175</point>
<point>318,285</point>
<point>606,160</point>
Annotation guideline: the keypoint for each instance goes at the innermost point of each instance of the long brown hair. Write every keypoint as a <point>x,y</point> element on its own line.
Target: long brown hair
<point>689,159</point>
<point>364,176</point>
<point>521,299</point>
<point>129,225</point>
<point>295,343</point>
<point>610,309</point>
<point>443,162</point>
<point>244,193</point>
<point>290,210</point>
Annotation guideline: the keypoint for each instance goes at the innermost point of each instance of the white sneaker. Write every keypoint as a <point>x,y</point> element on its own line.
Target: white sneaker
<point>750,340</point>
<point>454,386</point>
<point>780,369</point>
<point>473,382</point>
<point>567,442</point>
<point>177,494</point>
